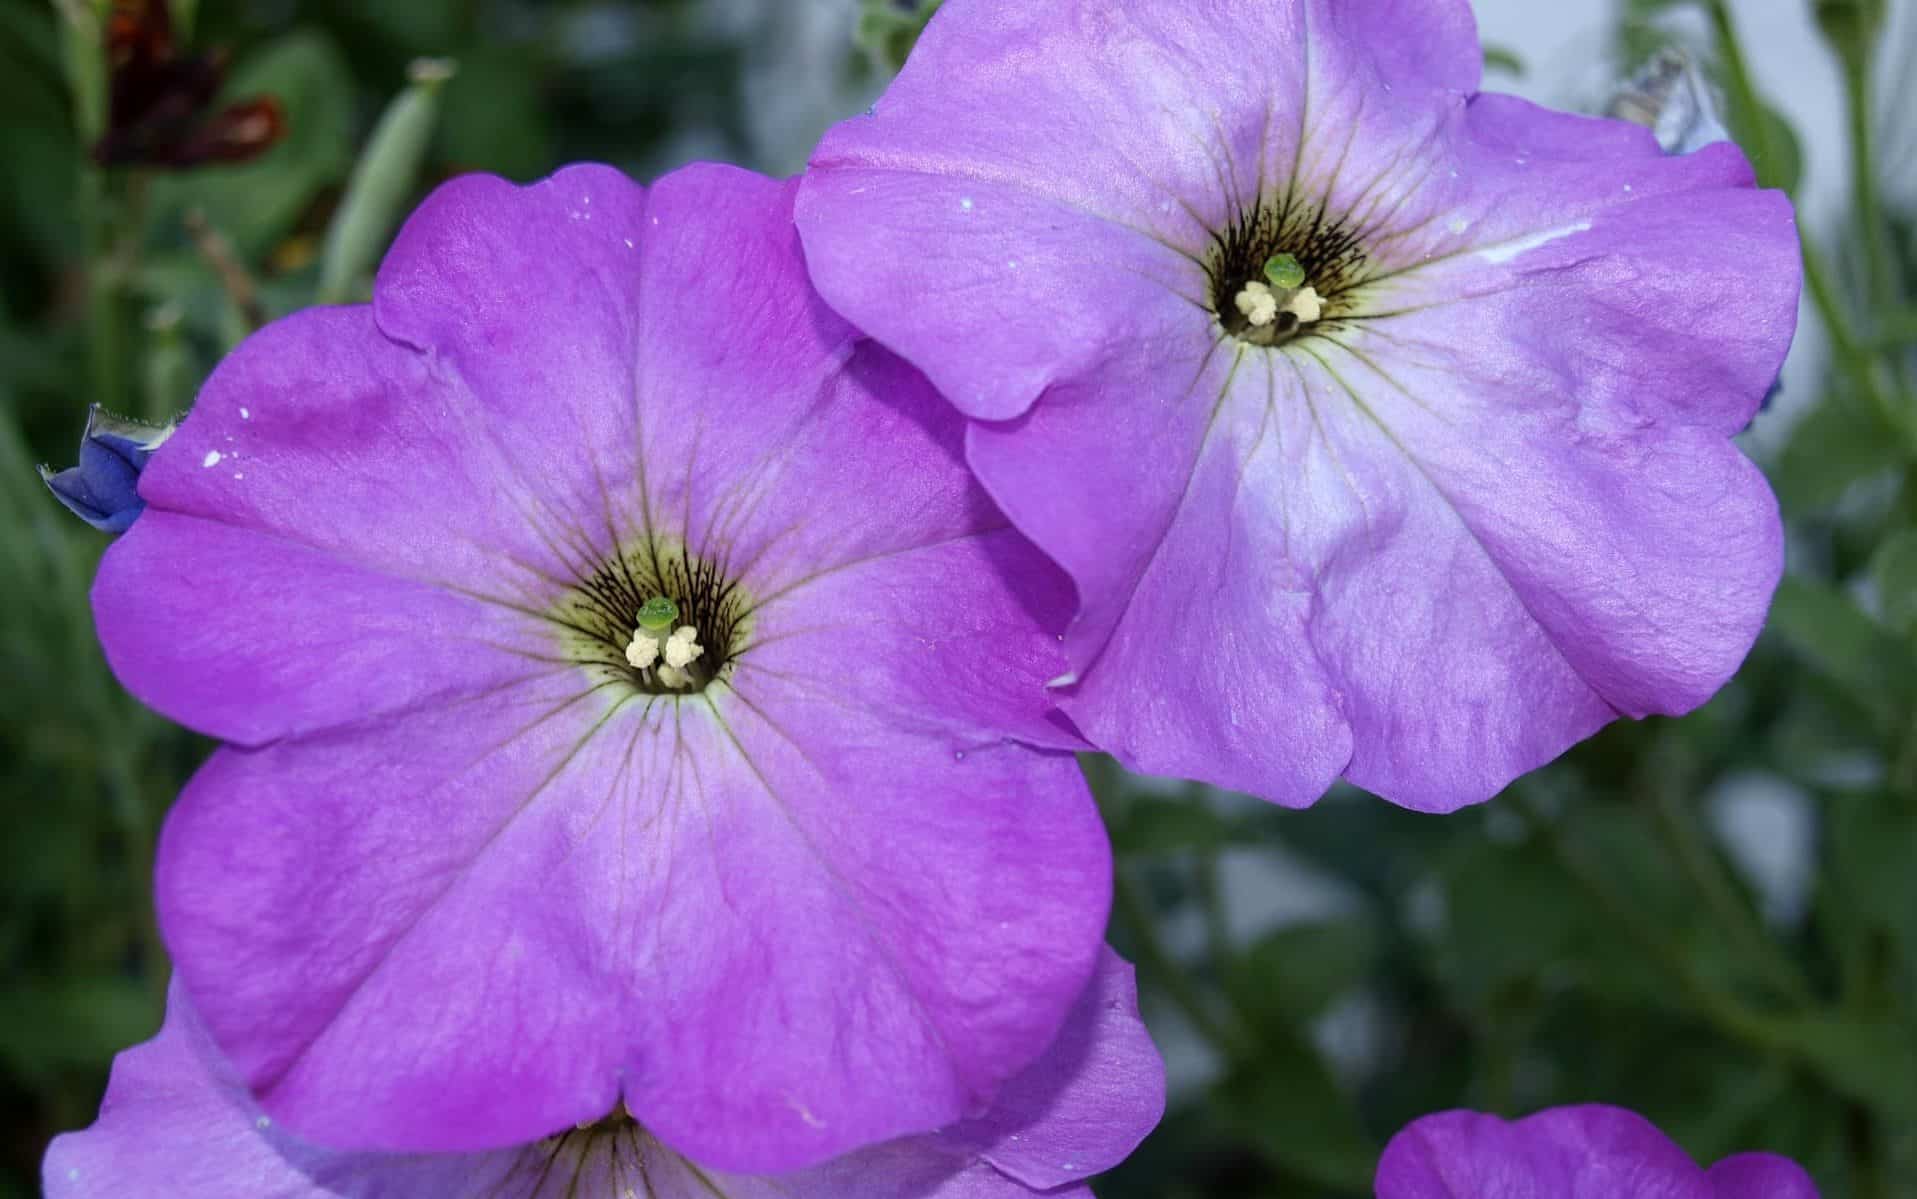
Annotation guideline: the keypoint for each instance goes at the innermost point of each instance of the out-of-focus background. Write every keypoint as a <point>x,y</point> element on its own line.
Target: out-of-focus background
<point>1713,920</point>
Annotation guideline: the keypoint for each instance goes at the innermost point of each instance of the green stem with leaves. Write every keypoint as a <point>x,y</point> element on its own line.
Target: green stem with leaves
<point>1852,351</point>
<point>1727,1013</point>
<point>1160,969</point>
<point>1706,873</point>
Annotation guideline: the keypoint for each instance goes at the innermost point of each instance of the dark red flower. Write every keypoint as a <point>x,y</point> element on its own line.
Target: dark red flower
<point>159,100</point>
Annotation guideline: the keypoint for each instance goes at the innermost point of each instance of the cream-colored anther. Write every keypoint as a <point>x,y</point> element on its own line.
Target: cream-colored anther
<point>1258,304</point>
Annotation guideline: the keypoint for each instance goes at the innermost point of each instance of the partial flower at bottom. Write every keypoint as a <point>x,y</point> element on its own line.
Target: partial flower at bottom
<point>1590,1152</point>
<point>630,700</point>
<point>177,1122</point>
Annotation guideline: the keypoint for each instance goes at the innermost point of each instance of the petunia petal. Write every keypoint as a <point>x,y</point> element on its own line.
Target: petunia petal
<point>1760,1176</point>
<point>1083,1107</point>
<point>249,636</point>
<point>178,1120</point>
<point>481,912</point>
<point>1564,1153</point>
<point>1487,504</point>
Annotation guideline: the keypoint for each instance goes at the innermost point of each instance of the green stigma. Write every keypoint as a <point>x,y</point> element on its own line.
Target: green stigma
<point>1284,272</point>
<point>658,614</point>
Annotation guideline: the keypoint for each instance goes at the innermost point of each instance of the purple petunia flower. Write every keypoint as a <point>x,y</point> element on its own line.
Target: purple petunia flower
<point>1591,1152</point>
<point>618,663</point>
<point>1383,425</point>
<point>177,1121</point>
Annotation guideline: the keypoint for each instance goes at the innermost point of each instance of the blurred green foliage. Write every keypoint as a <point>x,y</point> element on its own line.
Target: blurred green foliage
<point>1585,937</point>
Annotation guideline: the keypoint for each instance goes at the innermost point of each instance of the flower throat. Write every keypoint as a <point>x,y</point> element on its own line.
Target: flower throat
<point>1280,272</point>
<point>654,618</point>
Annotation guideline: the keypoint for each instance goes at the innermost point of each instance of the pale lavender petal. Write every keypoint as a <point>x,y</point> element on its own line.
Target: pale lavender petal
<point>1484,505</point>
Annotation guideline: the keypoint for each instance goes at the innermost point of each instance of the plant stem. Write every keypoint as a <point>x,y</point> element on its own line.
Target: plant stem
<point>1858,100</point>
<point>1850,350</point>
<point>1705,870</point>
<point>1157,965</point>
<point>1729,1015</point>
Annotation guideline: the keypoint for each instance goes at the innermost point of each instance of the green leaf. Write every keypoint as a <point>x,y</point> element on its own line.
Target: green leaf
<point>1287,1105</point>
<point>1503,58</point>
<point>258,203</point>
<point>493,117</point>
<point>382,184</point>
<point>1784,166</point>
<point>1149,825</point>
<point>1872,1060</point>
<point>1839,641</point>
<point>888,33</point>
<point>1893,570</point>
<point>1294,973</point>
<point>1840,442</point>
<point>53,1024</point>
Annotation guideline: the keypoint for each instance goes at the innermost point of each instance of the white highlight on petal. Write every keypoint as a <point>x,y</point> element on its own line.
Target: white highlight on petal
<point>245,415</point>
<point>1499,255</point>
<point>1257,304</point>
<point>211,460</point>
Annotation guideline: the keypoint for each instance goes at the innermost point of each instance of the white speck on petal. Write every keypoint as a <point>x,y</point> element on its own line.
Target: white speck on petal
<point>211,460</point>
<point>245,415</point>
<point>1498,255</point>
<point>239,474</point>
<point>629,244</point>
<point>965,202</point>
<point>263,1123</point>
<point>1064,680</point>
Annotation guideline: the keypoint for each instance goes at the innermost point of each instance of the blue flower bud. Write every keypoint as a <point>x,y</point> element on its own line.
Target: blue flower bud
<point>103,489</point>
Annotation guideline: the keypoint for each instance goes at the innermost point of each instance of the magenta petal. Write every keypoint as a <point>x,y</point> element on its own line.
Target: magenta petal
<point>833,899</point>
<point>1083,1107</point>
<point>177,1120</point>
<point>409,891</point>
<point>1761,1176</point>
<point>1590,1152</point>
<point>268,638</point>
